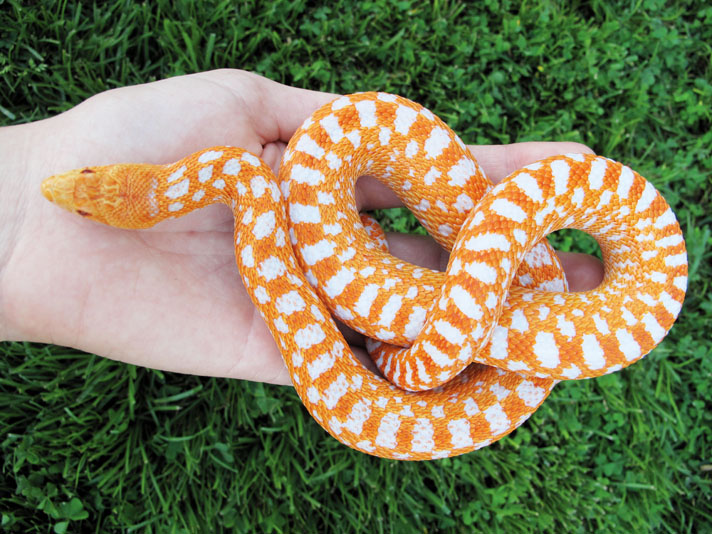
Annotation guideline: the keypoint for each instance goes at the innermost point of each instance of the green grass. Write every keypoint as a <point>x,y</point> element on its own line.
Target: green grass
<point>89,445</point>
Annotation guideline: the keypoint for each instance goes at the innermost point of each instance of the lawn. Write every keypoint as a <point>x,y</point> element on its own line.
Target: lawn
<point>90,445</point>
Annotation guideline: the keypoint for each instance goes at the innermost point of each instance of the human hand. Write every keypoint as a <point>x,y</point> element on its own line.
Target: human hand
<point>170,297</point>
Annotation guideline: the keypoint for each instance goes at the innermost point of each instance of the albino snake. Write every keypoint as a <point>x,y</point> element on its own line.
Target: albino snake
<point>488,339</point>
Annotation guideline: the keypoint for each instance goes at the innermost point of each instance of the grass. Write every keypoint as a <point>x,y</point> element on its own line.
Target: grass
<point>89,445</point>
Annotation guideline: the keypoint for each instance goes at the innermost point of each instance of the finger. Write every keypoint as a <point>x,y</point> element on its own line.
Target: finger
<point>499,161</point>
<point>291,106</point>
<point>418,249</point>
<point>371,194</point>
<point>583,271</point>
<point>272,154</point>
<point>278,109</point>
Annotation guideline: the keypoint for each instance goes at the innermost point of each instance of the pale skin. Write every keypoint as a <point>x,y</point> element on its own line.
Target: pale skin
<point>170,297</point>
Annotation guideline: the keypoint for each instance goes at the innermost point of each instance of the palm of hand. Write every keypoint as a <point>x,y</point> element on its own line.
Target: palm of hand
<point>170,296</point>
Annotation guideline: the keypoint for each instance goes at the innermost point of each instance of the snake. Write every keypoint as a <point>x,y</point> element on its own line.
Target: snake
<point>464,356</point>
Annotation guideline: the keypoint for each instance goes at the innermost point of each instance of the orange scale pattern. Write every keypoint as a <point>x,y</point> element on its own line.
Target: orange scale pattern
<point>467,355</point>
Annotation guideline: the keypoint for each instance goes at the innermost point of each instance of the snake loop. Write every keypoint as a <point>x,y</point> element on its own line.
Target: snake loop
<point>467,355</point>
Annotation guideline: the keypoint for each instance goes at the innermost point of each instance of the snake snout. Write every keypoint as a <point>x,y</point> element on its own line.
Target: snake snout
<point>72,191</point>
<point>60,190</point>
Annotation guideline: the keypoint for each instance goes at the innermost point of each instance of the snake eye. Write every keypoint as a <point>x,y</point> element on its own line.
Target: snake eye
<point>87,171</point>
<point>83,213</point>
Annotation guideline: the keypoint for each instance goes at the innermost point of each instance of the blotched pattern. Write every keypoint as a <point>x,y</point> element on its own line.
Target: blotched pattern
<point>473,351</point>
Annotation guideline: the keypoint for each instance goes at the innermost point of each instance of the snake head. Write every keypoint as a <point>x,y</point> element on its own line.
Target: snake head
<point>102,194</point>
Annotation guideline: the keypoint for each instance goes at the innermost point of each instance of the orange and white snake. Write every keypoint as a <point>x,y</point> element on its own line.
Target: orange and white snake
<point>488,339</point>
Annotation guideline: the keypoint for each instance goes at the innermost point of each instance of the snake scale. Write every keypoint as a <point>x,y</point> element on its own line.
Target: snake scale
<point>466,356</point>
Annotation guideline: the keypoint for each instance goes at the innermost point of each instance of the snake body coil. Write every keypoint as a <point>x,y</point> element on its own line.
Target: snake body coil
<point>467,355</point>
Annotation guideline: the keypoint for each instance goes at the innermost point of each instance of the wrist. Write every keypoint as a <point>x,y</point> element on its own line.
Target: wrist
<point>16,181</point>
